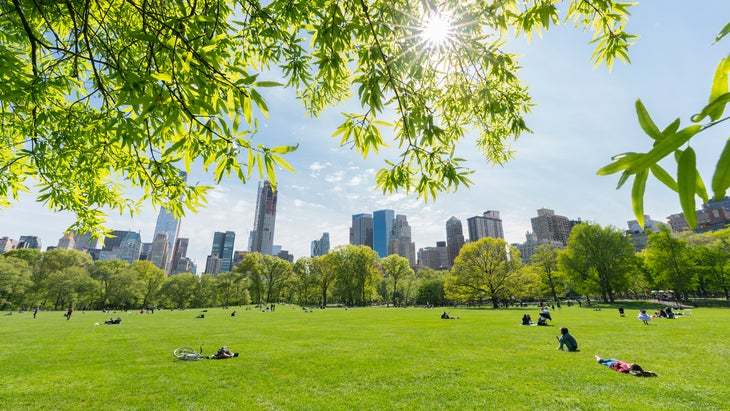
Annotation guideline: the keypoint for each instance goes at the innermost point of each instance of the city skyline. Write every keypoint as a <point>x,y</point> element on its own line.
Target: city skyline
<point>582,117</point>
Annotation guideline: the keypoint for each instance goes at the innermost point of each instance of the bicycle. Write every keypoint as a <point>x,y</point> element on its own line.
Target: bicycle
<point>188,354</point>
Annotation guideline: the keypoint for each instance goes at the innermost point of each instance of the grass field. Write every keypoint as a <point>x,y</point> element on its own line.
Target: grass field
<point>362,359</point>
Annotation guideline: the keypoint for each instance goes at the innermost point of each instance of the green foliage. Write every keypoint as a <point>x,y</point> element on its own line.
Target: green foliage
<point>14,281</point>
<point>277,274</point>
<point>669,260</point>
<point>396,268</point>
<point>100,98</point>
<point>545,262</point>
<point>598,260</point>
<point>483,269</point>
<point>357,275</point>
<point>689,183</point>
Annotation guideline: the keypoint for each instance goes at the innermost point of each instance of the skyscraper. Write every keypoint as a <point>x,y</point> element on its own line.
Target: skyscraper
<point>85,242</point>
<point>321,246</point>
<point>167,223</point>
<point>434,257</point>
<point>361,232</point>
<point>180,262</point>
<point>29,241</point>
<point>129,248</point>
<point>7,244</point>
<point>400,240</point>
<point>548,226</point>
<point>223,249</point>
<point>264,220</point>
<point>454,239</point>
<point>159,252</point>
<point>487,225</point>
<point>67,241</point>
<point>382,229</point>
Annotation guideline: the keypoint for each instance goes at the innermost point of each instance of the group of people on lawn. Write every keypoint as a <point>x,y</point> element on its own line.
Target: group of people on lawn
<point>566,342</point>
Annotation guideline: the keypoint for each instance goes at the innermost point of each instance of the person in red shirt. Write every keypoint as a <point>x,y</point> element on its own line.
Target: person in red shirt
<point>625,367</point>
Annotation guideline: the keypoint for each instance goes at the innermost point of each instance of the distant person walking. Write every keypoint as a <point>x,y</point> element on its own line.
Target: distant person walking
<point>69,312</point>
<point>643,316</point>
<point>35,311</point>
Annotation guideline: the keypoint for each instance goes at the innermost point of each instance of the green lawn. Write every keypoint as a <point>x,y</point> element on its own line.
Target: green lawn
<point>362,359</point>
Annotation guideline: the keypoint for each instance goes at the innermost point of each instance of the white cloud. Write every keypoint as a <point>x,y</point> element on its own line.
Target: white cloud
<point>335,177</point>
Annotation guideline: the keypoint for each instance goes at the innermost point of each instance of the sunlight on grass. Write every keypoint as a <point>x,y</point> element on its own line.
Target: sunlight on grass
<point>363,358</point>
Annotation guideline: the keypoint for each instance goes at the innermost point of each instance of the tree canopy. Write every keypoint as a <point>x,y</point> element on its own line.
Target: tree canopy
<point>484,269</point>
<point>598,260</point>
<point>100,97</point>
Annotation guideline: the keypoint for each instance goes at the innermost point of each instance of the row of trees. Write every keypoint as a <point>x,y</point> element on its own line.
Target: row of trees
<point>599,261</point>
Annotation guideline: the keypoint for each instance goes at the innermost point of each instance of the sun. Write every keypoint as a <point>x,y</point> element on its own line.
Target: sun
<point>437,30</point>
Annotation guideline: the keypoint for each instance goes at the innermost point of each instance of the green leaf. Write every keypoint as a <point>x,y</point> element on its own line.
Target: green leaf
<point>174,148</point>
<point>637,195</point>
<point>665,147</point>
<point>671,128</point>
<point>687,185</point>
<point>721,178</point>
<point>267,84</point>
<point>646,123</point>
<point>283,164</point>
<point>624,162</point>
<point>624,176</point>
<point>716,107</point>
<point>719,87</point>
<point>161,77</point>
<point>144,37</point>
<point>725,30</point>
<point>284,149</point>
<point>700,189</point>
<point>663,176</point>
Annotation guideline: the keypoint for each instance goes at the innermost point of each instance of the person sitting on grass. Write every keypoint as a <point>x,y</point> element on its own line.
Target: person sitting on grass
<point>567,340</point>
<point>223,353</point>
<point>526,320</point>
<point>625,367</point>
<point>546,313</point>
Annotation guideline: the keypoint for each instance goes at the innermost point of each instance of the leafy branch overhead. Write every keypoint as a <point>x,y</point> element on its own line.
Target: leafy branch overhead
<point>100,97</point>
<point>673,140</point>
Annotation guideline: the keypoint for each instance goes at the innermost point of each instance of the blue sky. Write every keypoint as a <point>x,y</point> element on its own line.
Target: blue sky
<point>582,117</point>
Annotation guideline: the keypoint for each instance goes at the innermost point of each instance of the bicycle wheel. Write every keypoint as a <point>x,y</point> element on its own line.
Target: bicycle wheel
<point>185,353</point>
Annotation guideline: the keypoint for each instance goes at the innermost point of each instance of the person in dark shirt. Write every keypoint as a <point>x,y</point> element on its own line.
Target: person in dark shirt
<point>566,340</point>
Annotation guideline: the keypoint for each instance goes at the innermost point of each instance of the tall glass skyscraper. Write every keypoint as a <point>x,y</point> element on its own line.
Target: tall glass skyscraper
<point>264,220</point>
<point>167,223</point>
<point>321,246</point>
<point>382,229</point>
<point>223,249</point>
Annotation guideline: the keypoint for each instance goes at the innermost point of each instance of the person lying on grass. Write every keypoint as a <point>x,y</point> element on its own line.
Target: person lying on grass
<point>625,367</point>
<point>223,353</point>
